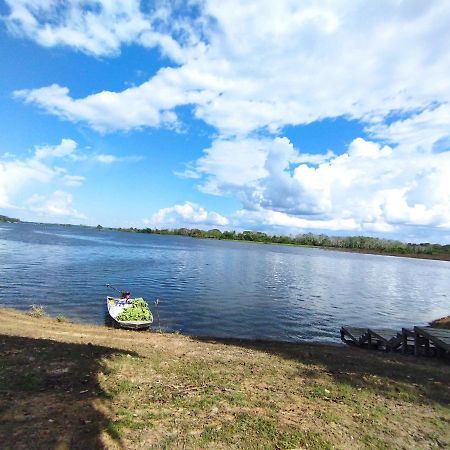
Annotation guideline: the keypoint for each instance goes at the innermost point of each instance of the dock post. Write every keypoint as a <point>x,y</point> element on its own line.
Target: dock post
<point>404,341</point>
<point>416,343</point>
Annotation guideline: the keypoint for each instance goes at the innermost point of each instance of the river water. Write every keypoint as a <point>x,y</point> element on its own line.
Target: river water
<point>218,288</point>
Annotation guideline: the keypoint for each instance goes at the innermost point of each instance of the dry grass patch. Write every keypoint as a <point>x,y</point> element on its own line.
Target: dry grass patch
<point>36,311</point>
<point>444,322</point>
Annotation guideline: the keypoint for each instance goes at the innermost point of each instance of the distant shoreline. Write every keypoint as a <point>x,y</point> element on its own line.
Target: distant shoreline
<point>400,255</point>
<point>346,250</point>
<point>438,252</point>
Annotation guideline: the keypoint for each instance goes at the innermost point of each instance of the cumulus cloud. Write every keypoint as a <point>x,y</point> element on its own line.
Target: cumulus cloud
<point>49,167</point>
<point>424,129</point>
<point>106,110</point>
<point>251,68</point>
<point>57,205</point>
<point>65,148</point>
<point>19,175</point>
<point>186,214</point>
<point>263,65</point>
<point>15,175</point>
<point>276,219</point>
<point>96,27</point>
<point>367,188</point>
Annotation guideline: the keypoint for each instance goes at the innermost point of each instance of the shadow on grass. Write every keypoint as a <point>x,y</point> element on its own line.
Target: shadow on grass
<point>50,396</point>
<point>394,375</point>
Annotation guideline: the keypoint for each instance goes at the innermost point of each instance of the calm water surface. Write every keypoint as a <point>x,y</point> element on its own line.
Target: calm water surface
<point>215,288</point>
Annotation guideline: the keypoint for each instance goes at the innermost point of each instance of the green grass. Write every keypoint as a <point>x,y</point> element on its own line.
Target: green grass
<point>124,387</point>
<point>373,442</point>
<point>252,431</point>
<point>208,402</point>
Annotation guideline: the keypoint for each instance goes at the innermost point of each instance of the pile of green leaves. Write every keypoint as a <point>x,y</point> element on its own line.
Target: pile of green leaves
<point>138,311</point>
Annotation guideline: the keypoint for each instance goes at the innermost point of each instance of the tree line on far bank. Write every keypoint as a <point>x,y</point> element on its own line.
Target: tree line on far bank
<point>8,219</point>
<point>307,239</point>
<point>352,243</point>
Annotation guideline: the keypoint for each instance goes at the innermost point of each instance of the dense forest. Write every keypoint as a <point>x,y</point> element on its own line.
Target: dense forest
<point>8,219</point>
<point>354,243</point>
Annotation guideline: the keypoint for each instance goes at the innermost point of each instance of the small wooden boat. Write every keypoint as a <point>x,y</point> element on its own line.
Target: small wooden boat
<point>117,305</point>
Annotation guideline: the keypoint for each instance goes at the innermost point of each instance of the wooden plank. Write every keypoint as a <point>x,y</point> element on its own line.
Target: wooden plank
<point>438,336</point>
<point>356,334</point>
<point>408,332</point>
<point>391,339</point>
<point>355,331</point>
<point>436,333</point>
<point>444,335</point>
<point>384,334</point>
<point>407,339</point>
<point>416,343</point>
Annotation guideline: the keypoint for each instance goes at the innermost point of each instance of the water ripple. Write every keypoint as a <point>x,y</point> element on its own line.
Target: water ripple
<point>215,288</point>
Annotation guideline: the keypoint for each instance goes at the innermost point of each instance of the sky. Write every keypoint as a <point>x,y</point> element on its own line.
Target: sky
<point>286,117</point>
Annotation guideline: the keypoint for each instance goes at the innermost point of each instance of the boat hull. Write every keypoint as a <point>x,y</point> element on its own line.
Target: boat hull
<point>116,306</point>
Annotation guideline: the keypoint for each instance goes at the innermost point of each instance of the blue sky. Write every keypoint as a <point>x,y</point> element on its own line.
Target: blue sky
<point>275,116</point>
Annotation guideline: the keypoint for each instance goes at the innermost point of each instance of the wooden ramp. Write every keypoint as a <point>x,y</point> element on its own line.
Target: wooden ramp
<point>354,335</point>
<point>385,338</point>
<point>427,341</point>
<point>425,337</point>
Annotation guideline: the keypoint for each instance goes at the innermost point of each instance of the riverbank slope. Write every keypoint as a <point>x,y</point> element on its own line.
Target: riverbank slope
<point>79,386</point>
<point>443,322</point>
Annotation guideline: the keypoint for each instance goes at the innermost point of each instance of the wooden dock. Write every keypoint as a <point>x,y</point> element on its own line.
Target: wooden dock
<point>408,339</point>
<point>354,335</point>
<point>384,338</point>
<point>426,341</point>
<point>426,337</point>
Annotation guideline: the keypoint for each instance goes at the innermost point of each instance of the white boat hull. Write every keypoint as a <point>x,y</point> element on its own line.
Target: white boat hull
<point>116,306</point>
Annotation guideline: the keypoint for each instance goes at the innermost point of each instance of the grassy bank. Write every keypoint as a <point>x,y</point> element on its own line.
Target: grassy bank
<point>443,322</point>
<point>78,386</point>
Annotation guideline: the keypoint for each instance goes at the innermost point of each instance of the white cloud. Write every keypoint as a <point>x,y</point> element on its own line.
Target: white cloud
<point>247,67</point>
<point>15,175</point>
<point>73,180</point>
<point>101,111</point>
<point>316,158</point>
<point>150,104</point>
<point>21,175</point>
<point>187,173</point>
<point>186,214</point>
<point>267,64</point>
<point>109,159</point>
<point>65,148</point>
<point>423,130</point>
<point>369,188</point>
<point>277,219</point>
<point>57,205</point>
<point>97,27</point>
<point>106,159</point>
